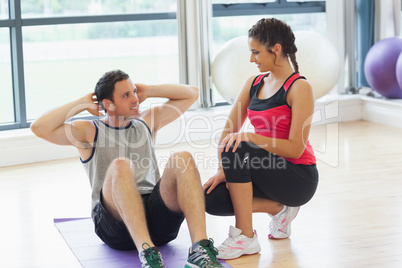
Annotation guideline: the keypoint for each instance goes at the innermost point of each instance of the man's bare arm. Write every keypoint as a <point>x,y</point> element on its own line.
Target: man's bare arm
<point>53,127</point>
<point>180,98</point>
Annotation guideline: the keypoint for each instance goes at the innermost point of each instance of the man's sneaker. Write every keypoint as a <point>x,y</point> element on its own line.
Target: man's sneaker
<point>279,227</point>
<point>237,245</point>
<point>203,254</point>
<point>151,257</point>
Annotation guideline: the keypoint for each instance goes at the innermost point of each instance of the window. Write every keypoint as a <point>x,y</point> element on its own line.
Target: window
<point>6,89</point>
<point>234,18</point>
<point>62,8</point>
<point>3,9</point>
<point>63,62</point>
<point>60,48</point>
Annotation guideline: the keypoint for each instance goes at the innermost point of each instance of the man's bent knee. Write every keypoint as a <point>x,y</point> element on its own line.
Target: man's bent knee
<point>121,164</point>
<point>119,168</point>
<point>182,161</point>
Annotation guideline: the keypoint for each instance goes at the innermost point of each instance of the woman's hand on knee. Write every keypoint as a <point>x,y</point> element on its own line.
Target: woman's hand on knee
<point>233,139</point>
<point>215,180</point>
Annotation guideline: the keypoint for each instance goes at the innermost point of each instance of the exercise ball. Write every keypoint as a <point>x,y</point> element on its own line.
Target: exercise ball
<point>380,67</point>
<point>398,70</point>
<point>317,58</point>
<point>318,61</point>
<point>231,67</point>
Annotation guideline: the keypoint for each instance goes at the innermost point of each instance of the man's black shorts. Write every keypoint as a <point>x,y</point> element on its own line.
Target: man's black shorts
<point>163,224</point>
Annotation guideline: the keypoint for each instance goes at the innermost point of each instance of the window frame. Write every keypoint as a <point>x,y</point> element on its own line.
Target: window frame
<point>278,7</point>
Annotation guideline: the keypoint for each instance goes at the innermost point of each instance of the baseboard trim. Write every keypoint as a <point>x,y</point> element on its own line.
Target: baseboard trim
<point>382,111</point>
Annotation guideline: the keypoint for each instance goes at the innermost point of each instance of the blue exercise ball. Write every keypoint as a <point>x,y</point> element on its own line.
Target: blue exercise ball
<point>380,66</point>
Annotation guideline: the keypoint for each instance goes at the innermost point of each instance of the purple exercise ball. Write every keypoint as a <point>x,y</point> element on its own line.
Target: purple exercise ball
<point>399,70</point>
<point>380,65</point>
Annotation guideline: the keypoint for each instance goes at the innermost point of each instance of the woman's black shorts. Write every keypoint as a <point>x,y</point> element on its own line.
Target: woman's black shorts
<point>272,177</point>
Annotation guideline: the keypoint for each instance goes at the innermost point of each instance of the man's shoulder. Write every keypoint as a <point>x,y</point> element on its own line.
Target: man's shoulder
<point>81,123</point>
<point>86,126</point>
<point>144,121</point>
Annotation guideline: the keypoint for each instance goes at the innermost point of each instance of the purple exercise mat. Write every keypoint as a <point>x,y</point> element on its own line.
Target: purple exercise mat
<point>92,252</point>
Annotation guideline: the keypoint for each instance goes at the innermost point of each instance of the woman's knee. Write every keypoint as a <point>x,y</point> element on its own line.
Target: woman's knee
<point>218,201</point>
<point>229,158</point>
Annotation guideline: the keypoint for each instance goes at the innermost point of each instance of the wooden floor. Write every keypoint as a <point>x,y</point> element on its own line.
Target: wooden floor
<point>354,220</point>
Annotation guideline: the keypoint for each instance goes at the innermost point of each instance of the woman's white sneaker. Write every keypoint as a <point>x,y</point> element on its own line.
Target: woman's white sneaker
<point>279,227</point>
<point>237,245</point>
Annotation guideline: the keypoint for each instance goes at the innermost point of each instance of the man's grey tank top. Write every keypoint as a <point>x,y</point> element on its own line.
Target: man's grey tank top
<point>133,142</point>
